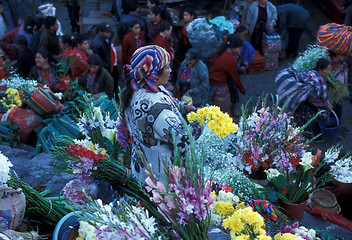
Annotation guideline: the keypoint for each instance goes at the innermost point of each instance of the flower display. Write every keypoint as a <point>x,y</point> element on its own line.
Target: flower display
<point>218,122</point>
<point>268,139</point>
<point>224,206</point>
<point>309,58</point>
<point>185,197</point>
<point>341,170</point>
<point>295,186</point>
<point>11,97</point>
<point>245,223</point>
<point>296,232</point>
<point>117,221</point>
<point>5,165</point>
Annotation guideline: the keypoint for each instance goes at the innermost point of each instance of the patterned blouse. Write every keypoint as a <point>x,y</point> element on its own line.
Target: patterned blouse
<point>151,119</point>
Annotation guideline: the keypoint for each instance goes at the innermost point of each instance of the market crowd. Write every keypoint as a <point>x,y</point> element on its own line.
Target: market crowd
<point>157,57</point>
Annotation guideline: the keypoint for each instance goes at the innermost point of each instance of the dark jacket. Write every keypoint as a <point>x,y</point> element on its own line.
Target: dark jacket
<point>25,61</point>
<point>101,47</point>
<point>106,82</point>
<point>291,16</point>
<point>35,41</point>
<point>50,42</point>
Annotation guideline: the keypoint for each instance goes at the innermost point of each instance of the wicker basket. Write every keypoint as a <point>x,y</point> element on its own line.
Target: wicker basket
<point>325,200</point>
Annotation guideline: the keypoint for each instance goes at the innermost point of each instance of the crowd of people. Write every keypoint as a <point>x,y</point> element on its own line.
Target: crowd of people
<point>156,71</point>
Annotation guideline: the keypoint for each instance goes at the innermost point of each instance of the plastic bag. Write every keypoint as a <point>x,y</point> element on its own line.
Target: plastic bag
<point>206,35</point>
<point>12,208</point>
<point>333,217</point>
<point>27,120</point>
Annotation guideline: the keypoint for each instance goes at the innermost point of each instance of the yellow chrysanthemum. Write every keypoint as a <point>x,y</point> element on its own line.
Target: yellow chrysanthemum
<point>241,237</point>
<point>286,236</point>
<point>224,209</point>
<point>263,237</point>
<point>192,116</point>
<point>213,193</point>
<point>233,223</point>
<point>241,205</point>
<point>255,218</point>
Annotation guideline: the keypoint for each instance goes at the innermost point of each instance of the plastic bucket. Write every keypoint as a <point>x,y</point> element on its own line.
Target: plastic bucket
<point>63,227</point>
<point>329,128</point>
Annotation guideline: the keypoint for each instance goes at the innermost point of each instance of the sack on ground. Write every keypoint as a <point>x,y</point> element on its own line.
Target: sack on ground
<point>12,208</point>
<point>43,102</point>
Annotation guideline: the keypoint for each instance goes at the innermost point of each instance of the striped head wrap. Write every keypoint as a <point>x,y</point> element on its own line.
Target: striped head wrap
<point>145,63</point>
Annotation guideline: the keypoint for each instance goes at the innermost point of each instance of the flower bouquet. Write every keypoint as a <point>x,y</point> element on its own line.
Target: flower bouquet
<point>185,197</point>
<point>307,61</point>
<point>10,98</point>
<point>267,138</point>
<point>295,185</point>
<point>340,168</point>
<point>296,232</point>
<point>120,220</point>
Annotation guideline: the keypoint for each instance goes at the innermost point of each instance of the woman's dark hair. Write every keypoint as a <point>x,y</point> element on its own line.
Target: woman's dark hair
<point>190,11</point>
<point>322,64</point>
<point>161,10</point>
<point>134,22</point>
<point>232,41</point>
<point>94,59</point>
<point>45,54</point>
<point>29,24</point>
<point>79,39</point>
<point>192,53</point>
<point>68,39</point>
<point>21,41</point>
<point>127,92</point>
<point>39,22</point>
<point>163,26</point>
<point>156,2</point>
<point>241,28</point>
<point>49,21</point>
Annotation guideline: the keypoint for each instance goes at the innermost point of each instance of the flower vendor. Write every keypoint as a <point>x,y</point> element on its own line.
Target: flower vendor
<point>224,79</point>
<point>152,115</point>
<point>132,40</point>
<point>193,78</point>
<point>80,56</point>
<point>306,92</point>
<point>44,70</point>
<point>97,79</point>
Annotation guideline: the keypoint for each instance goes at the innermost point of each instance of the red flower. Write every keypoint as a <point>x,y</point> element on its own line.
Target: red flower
<point>64,83</point>
<point>81,151</point>
<point>295,160</point>
<point>226,188</point>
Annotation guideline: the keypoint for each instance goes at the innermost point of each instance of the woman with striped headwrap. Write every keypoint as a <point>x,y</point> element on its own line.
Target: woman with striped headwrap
<point>151,114</point>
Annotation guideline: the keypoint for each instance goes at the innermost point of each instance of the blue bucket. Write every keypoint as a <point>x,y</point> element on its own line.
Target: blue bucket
<point>65,225</point>
<point>329,128</point>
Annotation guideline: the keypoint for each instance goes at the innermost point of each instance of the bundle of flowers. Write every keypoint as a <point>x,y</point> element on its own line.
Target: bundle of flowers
<point>296,185</point>
<point>245,223</point>
<point>309,58</point>
<point>223,207</point>
<point>234,178</point>
<point>300,232</point>
<point>268,139</point>
<point>185,196</point>
<point>10,98</point>
<point>307,61</point>
<point>215,150</point>
<point>340,169</point>
<point>218,122</point>
<point>15,81</point>
<point>118,221</point>
<point>5,165</point>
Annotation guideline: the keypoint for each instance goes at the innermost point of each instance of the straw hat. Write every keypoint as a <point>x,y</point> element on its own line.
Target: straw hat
<point>324,199</point>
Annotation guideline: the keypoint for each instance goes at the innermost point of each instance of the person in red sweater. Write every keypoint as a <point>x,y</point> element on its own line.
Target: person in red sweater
<point>188,15</point>
<point>157,17</point>
<point>80,55</point>
<point>131,41</point>
<point>224,79</point>
<point>163,38</point>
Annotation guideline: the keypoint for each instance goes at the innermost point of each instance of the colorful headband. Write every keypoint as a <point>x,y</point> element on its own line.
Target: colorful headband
<point>145,63</point>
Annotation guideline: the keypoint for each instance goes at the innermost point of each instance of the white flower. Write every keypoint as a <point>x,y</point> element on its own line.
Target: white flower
<point>5,165</point>
<point>59,95</point>
<point>307,160</point>
<point>311,233</point>
<point>332,154</point>
<point>272,173</point>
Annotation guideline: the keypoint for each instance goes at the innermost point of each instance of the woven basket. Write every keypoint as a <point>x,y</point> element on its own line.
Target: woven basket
<point>325,200</point>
